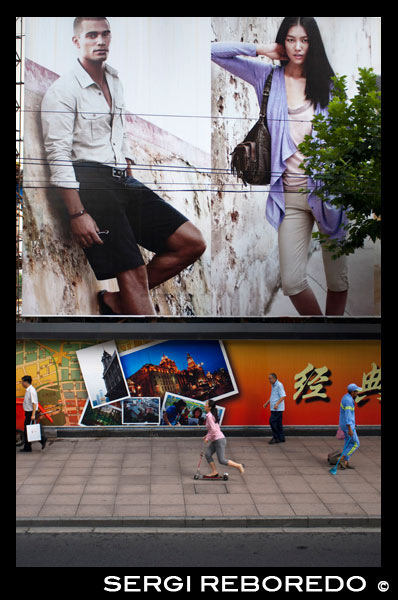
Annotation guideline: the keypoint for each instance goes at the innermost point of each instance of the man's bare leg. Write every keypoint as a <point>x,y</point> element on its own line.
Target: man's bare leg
<point>133,297</point>
<point>185,246</point>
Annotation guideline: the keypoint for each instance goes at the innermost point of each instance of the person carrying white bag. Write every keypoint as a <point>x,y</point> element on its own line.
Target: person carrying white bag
<point>30,406</point>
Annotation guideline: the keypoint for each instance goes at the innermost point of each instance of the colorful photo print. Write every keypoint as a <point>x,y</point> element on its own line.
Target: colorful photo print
<point>109,415</point>
<point>141,411</point>
<point>133,122</point>
<point>102,373</point>
<point>179,410</point>
<point>197,369</point>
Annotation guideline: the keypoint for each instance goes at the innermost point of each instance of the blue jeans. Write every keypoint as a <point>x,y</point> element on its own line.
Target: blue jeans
<point>275,423</point>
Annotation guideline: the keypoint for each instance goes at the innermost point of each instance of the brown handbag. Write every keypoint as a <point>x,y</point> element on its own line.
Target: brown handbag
<point>251,160</point>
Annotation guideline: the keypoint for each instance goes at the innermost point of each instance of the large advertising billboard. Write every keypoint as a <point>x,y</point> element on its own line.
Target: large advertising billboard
<point>130,206</point>
<point>169,382</point>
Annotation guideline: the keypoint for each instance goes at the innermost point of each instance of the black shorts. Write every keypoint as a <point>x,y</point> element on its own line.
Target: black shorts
<point>131,213</point>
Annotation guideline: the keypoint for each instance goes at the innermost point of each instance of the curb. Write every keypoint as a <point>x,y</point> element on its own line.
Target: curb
<point>161,431</point>
<point>204,522</point>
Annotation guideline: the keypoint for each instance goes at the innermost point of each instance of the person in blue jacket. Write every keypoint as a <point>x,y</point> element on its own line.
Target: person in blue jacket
<point>347,424</point>
<point>172,415</point>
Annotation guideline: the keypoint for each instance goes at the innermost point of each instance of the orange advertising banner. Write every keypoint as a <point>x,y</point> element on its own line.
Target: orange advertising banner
<point>315,375</point>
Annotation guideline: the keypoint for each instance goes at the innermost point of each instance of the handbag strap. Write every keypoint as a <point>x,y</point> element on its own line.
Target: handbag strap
<point>266,91</point>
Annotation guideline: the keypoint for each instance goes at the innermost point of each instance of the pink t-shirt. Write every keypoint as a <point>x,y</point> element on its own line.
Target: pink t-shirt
<point>213,429</point>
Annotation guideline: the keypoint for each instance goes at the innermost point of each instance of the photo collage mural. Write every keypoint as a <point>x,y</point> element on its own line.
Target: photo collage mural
<point>166,383</point>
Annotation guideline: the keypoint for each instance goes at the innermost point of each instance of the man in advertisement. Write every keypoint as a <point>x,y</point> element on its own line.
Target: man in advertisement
<point>110,212</point>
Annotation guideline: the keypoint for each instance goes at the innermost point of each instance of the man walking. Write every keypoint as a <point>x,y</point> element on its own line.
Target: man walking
<point>110,212</point>
<point>30,406</point>
<point>277,406</point>
<point>347,424</point>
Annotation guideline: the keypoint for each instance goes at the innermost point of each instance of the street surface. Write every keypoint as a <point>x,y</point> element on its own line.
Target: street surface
<point>193,548</point>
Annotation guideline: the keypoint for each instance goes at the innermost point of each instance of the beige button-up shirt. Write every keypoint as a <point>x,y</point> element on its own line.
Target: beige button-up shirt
<point>78,124</point>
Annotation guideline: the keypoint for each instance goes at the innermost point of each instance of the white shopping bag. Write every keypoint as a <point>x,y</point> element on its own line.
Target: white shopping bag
<point>33,432</point>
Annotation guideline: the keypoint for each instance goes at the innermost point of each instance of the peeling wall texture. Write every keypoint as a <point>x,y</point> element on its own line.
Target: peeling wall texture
<point>239,273</point>
<point>245,261</point>
<point>57,279</point>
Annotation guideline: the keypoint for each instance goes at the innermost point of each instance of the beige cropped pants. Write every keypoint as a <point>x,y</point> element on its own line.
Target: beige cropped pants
<point>294,236</point>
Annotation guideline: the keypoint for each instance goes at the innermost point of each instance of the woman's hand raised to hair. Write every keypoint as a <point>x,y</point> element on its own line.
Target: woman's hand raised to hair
<point>273,51</point>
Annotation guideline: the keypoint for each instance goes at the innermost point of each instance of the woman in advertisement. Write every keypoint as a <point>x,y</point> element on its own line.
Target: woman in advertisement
<point>301,88</point>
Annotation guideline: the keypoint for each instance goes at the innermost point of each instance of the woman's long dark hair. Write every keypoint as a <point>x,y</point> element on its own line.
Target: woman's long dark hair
<point>317,68</point>
<point>213,410</point>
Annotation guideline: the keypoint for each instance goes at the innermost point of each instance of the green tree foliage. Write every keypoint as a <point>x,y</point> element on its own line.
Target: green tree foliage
<point>344,158</point>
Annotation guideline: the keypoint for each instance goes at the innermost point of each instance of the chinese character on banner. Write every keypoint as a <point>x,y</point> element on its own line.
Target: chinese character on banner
<point>371,384</point>
<point>312,381</point>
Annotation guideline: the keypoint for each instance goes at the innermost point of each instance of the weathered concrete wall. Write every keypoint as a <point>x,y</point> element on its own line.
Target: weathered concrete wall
<point>351,42</point>
<point>245,263</point>
<point>239,273</point>
<point>57,279</point>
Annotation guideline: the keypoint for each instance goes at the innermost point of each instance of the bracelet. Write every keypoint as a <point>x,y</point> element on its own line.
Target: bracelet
<point>78,214</point>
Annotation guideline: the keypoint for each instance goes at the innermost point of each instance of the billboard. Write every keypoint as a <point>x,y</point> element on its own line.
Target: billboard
<point>168,382</point>
<point>129,127</point>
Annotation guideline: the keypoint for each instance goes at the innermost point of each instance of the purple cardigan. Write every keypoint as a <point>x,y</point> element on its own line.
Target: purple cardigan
<point>232,56</point>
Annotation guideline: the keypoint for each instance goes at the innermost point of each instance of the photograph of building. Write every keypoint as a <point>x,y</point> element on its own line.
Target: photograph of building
<point>102,373</point>
<point>198,370</point>
<point>103,416</point>
<point>113,376</point>
<point>141,411</point>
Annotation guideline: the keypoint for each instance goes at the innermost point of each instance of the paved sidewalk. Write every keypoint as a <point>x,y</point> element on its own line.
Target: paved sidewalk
<point>149,482</point>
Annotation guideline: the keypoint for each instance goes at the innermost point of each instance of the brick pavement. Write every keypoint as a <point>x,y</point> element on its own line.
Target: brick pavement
<point>150,480</point>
